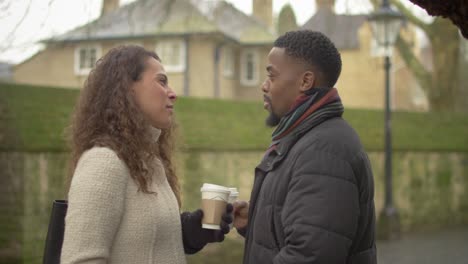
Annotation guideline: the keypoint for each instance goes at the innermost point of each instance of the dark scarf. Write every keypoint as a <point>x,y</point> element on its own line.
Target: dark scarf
<point>314,105</point>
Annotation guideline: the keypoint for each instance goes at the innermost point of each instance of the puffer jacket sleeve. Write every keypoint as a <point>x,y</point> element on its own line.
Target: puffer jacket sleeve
<point>321,210</point>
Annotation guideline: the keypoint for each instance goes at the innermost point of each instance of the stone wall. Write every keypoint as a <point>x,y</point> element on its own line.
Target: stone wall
<point>430,190</point>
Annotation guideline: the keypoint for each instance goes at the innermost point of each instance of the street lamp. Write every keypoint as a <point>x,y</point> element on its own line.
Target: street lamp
<point>385,25</point>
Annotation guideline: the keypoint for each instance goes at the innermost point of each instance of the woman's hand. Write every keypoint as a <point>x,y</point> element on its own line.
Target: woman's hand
<point>195,237</point>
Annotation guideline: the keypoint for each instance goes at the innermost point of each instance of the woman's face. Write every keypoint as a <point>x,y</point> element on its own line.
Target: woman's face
<point>153,95</point>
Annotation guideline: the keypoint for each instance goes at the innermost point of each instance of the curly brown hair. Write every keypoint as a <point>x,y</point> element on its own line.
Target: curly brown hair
<point>107,115</point>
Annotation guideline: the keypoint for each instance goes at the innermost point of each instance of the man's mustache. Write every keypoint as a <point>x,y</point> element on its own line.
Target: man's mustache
<point>267,99</point>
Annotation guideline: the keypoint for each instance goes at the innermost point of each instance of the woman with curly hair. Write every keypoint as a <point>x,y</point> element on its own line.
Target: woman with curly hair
<point>124,197</point>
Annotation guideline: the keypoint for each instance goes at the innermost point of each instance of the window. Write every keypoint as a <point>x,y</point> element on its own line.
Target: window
<point>249,67</point>
<point>172,54</point>
<point>228,67</point>
<point>85,58</point>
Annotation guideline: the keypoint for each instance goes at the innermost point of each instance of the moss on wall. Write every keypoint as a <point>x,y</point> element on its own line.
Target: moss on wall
<point>431,192</point>
<point>11,205</point>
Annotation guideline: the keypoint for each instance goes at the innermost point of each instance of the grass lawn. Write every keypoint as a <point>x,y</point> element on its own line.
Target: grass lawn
<point>34,118</point>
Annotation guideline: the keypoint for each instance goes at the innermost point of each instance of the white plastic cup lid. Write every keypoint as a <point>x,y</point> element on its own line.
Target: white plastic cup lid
<point>208,187</point>
<point>233,191</point>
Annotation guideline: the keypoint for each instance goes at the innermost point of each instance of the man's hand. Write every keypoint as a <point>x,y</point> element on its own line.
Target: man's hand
<point>241,214</point>
<point>195,237</point>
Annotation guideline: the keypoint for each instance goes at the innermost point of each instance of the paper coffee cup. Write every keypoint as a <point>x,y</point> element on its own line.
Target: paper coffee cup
<point>214,201</point>
<point>232,198</point>
<point>233,195</point>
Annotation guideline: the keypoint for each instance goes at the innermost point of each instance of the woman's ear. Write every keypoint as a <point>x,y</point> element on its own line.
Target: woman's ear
<point>308,81</point>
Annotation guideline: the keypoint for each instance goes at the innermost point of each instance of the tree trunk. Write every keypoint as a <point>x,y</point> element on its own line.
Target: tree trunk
<point>444,39</point>
<point>442,84</point>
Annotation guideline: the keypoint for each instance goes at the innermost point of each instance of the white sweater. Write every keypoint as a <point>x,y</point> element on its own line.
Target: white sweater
<point>110,221</point>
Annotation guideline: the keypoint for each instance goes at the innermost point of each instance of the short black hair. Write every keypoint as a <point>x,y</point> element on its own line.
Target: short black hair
<point>315,49</point>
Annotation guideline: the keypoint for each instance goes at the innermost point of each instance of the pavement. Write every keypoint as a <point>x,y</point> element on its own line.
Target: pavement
<point>435,247</point>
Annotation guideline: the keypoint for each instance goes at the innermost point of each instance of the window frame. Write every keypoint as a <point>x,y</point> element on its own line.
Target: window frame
<point>160,50</point>
<point>77,58</point>
<point>256,73</point>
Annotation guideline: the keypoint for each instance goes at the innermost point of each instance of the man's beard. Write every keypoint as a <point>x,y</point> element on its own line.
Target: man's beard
<point>272,120</point>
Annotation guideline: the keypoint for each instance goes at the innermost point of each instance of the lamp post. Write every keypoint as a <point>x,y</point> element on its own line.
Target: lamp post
<point>385,25</point>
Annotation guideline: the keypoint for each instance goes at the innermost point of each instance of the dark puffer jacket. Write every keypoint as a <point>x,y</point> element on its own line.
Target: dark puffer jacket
<point>313,200</point>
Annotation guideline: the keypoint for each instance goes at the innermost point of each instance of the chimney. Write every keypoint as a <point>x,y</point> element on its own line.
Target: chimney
<point>109,6</point>
<point>263,11</point>
<point>326,4</point>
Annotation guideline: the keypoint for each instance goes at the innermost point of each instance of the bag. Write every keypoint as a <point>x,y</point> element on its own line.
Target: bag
<point>54,240</point>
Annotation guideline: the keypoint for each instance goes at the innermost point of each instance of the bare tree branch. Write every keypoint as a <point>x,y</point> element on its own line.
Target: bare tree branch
<point>9,39</point>
<point>456,11</point>
<point>441,81</point>
<point>5,4</point>
<point>5,8</point>
<point>49,6</point>
<point>410,16</point>
<point>25,14</point>
<point>413,63</point>
<point>403,9</point>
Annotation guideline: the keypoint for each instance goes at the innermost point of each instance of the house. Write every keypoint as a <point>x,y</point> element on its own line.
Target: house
<point>211,49</point>
<point>361,83</point>
<point>208,48</point>
<point>5,72</point>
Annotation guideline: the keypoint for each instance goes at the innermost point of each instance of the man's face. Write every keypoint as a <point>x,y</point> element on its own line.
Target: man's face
<point>282,85</point>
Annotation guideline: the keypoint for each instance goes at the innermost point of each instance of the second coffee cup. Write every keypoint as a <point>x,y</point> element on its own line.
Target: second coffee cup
<point>232,198</point>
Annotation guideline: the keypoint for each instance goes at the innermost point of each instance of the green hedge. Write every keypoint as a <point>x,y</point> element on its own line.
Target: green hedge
<point>34,118</point>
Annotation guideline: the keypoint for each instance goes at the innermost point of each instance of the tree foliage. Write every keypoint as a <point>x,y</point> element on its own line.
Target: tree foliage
<point>286,20</point>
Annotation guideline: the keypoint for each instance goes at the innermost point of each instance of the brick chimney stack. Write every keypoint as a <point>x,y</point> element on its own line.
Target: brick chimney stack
<point>263,11</point>
<point>109,6</point>
<point>327,4</point>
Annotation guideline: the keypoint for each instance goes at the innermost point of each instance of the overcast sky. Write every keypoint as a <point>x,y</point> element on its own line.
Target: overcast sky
<point>45,18</point>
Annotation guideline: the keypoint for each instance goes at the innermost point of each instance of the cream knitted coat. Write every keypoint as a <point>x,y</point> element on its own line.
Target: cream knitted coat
<point>110,221</point>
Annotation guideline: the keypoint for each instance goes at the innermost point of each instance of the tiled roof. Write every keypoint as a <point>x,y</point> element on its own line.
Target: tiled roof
<point>238,25</point>
<point>147,18</point>
<point>341,29</point>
